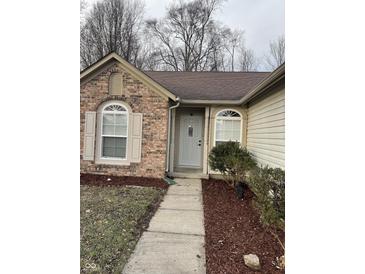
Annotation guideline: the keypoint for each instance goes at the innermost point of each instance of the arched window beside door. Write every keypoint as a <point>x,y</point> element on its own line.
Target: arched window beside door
<point>228,126</point>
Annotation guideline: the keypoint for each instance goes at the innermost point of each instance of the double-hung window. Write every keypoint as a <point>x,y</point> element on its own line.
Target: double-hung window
<point>227,127</point>
<point>114,132</point>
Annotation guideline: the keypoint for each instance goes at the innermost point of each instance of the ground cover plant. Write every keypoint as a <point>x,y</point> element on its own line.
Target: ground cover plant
<point>232,229</point>
<point>112,220</point>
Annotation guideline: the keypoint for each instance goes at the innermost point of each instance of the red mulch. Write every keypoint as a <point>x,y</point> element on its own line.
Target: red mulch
<point>102,180</point>
<point>233,229</point>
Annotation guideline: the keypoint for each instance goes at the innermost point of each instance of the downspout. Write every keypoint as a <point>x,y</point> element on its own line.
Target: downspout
<point>208,136</point>
<point>169,134</point>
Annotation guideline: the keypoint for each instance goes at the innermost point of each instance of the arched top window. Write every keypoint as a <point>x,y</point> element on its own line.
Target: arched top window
<point>227,126</point>
<point>228,113</point>
<point>114,107</point>
<point>114,132</point>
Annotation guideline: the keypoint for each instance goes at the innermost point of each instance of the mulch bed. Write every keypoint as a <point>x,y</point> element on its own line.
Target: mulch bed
<point>233,229</point>
<point>105,180</point>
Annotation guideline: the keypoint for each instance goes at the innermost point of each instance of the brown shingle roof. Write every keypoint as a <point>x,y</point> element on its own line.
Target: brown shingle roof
<point>208,85</point>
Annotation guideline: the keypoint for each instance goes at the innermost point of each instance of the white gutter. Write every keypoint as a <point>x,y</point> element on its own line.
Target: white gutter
<point>169,134</point>
<point>210,102</point>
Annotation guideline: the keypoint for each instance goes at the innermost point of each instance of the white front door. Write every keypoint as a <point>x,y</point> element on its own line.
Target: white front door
<point>191,140</point>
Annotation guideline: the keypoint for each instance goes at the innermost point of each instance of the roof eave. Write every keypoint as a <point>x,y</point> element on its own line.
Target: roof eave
<point>269,81</point>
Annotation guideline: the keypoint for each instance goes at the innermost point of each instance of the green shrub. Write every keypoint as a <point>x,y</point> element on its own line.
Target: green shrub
<point>232,161</point>
<point>268,184</point>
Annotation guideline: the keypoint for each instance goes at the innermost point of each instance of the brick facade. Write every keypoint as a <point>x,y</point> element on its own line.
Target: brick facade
<point>155,119</point>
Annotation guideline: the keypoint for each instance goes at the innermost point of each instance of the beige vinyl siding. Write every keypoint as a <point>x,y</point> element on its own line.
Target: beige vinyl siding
<point>266,130</point>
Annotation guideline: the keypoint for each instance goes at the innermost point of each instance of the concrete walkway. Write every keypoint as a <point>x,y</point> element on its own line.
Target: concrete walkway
<point>174,240</point>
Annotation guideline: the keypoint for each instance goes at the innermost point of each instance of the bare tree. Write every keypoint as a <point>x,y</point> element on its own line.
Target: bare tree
<point>189,39</point>
<point>233,39</point>
<point>83,5</point>
<point>216,60</point>
<point>149,57</point>
<point>186,39</point>
<point>247,60</point>
<point>112,25</point>
<point>83,8</point>
<point>276,55</point>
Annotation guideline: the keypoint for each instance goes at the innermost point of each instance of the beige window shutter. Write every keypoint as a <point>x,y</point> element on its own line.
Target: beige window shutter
<point>136,137</point>
<point>89,137</point>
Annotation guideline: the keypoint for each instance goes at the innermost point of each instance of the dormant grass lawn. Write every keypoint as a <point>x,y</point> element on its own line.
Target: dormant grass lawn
<point>112,220</point>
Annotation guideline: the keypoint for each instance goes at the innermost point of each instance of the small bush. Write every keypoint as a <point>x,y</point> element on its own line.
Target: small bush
<point>268,184</point>
<point>232,161</point>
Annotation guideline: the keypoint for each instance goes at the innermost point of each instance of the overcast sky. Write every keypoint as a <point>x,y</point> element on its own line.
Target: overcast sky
<point>262,20</point>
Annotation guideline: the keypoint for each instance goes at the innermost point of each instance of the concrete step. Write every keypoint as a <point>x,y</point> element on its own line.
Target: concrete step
<point>183,202</point>
<point>161,253</point>
<point>185,188</point>
<point>178,221</point>
<point>189,175</point>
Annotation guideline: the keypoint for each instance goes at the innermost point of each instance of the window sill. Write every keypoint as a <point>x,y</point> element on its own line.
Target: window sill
<point>113,162</point>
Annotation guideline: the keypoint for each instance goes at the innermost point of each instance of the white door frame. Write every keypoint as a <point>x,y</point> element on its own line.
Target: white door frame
<point>191,147</point>
<point>174,146</point>
<point>206,139</point>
